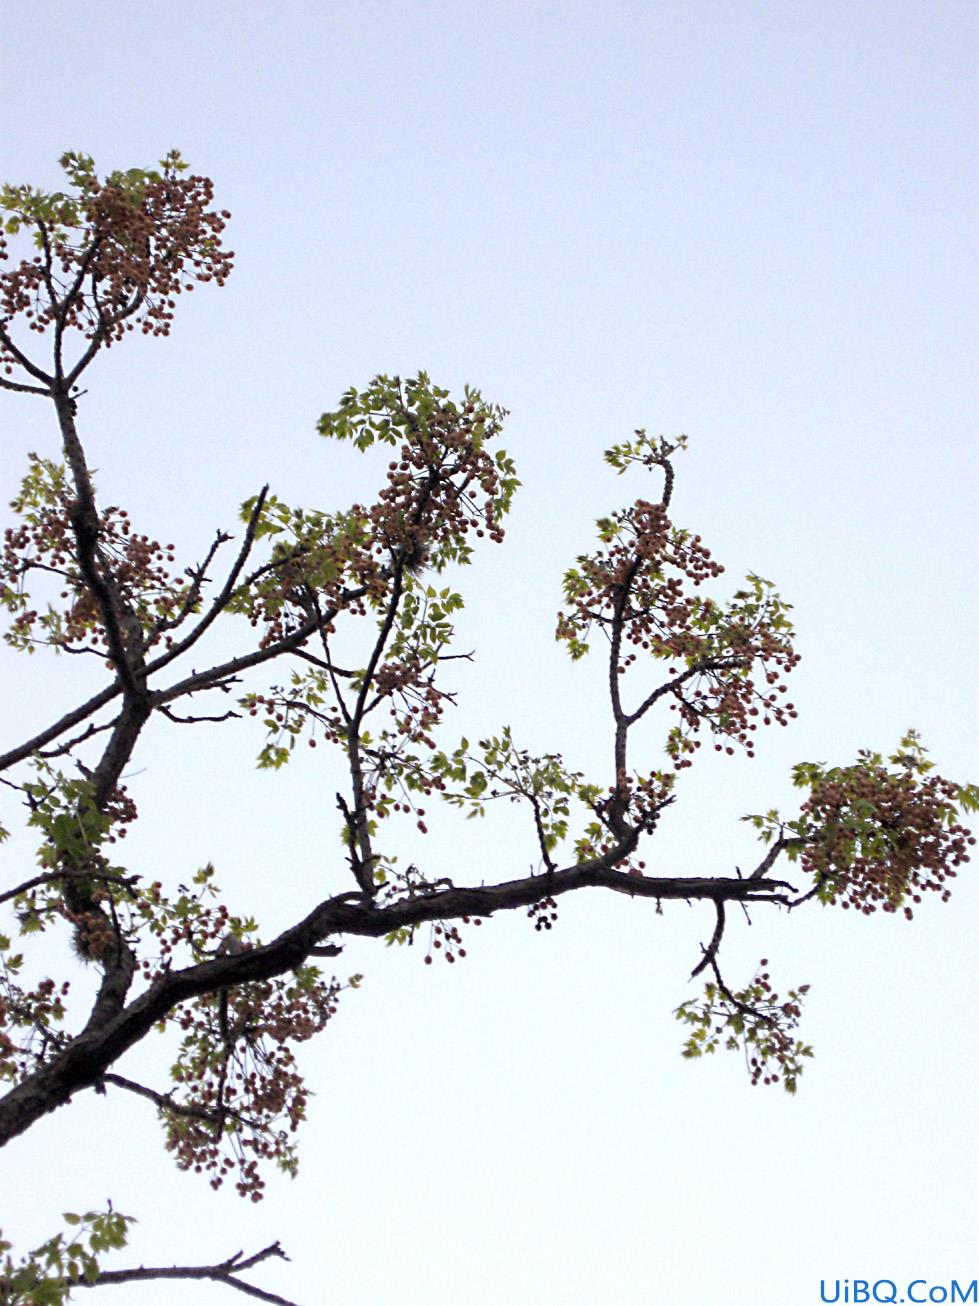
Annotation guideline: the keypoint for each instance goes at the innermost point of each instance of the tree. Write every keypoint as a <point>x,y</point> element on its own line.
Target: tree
<point>352,614</point>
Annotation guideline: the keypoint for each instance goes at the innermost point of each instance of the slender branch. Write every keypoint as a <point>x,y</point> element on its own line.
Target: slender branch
<point>744,1007</point>
<point>22,388</point>
<point>193,720</point>
<point>226,670</point>
<point>322,663</point>
<point>86,734</point>
<point>710,952</point>
<point>223,1272</point>
<point>541,838</point>
<point>128,881</point>
<point>61,307</point>
<point>671,686</point>
<point>778,847</point>
<point>221,600</point>
<point>50,285</point>
<point>163,1100</point>
<point>360,844</point>
<point>197,576</point>
<point>106,322</point>
<point>334,674</point>
<point>25,363</point>
<point>806,897</point>
<point>616,806</point>
<point>66,722</point>
<point>85,526</point>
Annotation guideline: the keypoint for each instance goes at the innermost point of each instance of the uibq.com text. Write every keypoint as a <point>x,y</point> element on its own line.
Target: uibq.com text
<point>887,1290</point>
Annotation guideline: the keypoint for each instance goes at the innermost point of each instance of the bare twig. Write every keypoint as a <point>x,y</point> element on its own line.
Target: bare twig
<point>163,1101</point>
<point>193,720</point>
<point>221,600</point>
<point>710,952</point>
<point>72,718</point>
<point>223,1272</point>
<point>777,848</point>
<point>128,882</point>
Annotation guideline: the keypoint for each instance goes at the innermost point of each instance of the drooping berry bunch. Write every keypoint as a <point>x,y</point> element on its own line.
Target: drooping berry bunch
<point>239,1097</point>
<point>754,1020</point>
<point>446,939</point>
<point>879,837</point>
<point>543,913</point>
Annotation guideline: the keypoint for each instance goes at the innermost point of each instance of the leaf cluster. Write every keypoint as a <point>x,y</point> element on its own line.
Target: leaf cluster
<point>754,1020</point>
<point>47,1275</point>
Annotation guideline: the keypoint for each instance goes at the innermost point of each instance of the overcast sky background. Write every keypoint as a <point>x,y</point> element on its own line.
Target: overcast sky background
<point>753,223</point>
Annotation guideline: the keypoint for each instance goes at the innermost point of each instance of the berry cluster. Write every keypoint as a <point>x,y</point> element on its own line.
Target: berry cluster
<point>430,502</point>
<point>34,1013</point>
<point>443,485</point>
<point>755,1020</point>
<point>637,590</point>
<point>876,838</point>
<point>115,254</point>
<point>239,1097</point>
<point>446,939</point>
<point>543,913</point>
<point>44,543</point>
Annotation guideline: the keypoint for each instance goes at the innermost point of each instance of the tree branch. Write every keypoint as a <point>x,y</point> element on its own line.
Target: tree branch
<point>21,388</point>
<point>224,1272</point>
<point>616,807</point>
<point>26,364</point>
<point>221,600</point>
<point>710,952</point>
<point>66,722</point>
<point>110,1034</point>
<point>129,881</point>
<point>164,1101</point>
<point>671,686</point>
<point>770,858</point>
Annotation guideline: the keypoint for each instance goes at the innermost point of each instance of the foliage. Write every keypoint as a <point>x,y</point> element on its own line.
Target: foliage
<point>874,835</point>
<point>756,1021</point>
<point>46,1276</point>
<point>356,607</point>
<point>111,253</point>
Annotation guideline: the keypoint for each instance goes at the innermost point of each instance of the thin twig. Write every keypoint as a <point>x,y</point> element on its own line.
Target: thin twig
<point>710,952</point>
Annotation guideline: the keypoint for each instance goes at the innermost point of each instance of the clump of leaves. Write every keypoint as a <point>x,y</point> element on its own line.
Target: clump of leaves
<point>47,1275</point>
<point>754,1020</point>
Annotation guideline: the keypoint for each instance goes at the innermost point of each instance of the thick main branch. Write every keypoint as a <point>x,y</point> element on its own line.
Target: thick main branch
<point>86,1059</point>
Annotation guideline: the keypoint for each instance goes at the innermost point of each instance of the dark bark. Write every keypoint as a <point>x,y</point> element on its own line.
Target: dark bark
<point>88,1056</point>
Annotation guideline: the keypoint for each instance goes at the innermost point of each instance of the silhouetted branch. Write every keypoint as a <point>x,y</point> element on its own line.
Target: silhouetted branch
<point>223,1272</point>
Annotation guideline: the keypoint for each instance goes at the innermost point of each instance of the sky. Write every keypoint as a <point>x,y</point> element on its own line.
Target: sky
<point>753,224</point>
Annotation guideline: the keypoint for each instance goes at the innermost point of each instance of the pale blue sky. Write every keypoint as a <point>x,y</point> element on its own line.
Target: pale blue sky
<point>752,222</point>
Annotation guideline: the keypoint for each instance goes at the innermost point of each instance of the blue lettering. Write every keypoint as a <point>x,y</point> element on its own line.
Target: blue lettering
<point>911,1297</point>
<point>822,1291</point>
<point>893,1288</point>
<point>933,1294</point>
<point>969,1294</point>
<point>861,1290</point>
